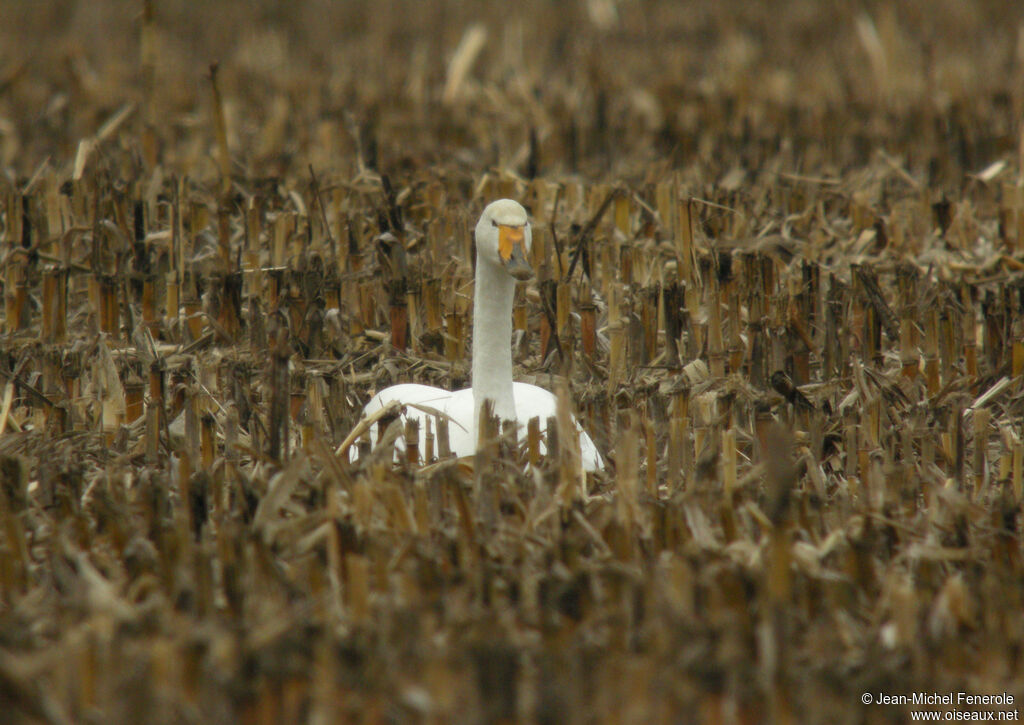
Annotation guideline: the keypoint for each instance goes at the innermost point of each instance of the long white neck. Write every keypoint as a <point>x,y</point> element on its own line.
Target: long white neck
<point>492,341</point>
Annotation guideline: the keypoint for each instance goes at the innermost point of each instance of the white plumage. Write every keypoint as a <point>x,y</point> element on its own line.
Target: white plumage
<point>503,241</point>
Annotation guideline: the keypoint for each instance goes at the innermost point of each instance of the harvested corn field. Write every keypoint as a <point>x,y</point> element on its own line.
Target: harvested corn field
<point>778,277</point>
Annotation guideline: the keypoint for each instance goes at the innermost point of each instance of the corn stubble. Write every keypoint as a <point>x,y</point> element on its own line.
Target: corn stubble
<point>788,305</point>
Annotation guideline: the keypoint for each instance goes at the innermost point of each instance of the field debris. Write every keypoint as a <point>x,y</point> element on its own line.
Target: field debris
<point>779,257</point>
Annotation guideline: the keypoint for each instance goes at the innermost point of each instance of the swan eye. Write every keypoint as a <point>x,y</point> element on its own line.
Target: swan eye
<point>494,224</point>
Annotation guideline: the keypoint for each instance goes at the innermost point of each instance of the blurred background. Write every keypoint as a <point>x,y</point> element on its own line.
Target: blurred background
<point>605,85</point>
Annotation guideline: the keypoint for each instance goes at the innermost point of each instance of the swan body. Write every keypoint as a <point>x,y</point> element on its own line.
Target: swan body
<point>503,240</point>
<point>458,408</point>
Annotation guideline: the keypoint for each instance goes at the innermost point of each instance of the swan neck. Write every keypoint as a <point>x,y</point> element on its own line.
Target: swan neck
<point>492,340</point>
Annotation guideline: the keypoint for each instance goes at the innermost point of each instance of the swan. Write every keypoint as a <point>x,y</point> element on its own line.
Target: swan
<point>503,241</point>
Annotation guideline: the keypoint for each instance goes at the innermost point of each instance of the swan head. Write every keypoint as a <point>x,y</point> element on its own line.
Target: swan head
<point>503,237</point>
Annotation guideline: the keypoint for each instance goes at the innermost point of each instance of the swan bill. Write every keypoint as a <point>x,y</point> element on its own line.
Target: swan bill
<point>512,250</point>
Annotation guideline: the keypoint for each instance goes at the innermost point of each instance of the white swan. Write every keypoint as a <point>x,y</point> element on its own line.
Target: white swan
<point>503,241</point>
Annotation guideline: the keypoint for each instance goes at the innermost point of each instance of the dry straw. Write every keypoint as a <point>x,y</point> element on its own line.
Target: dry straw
<point>778,280</point>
